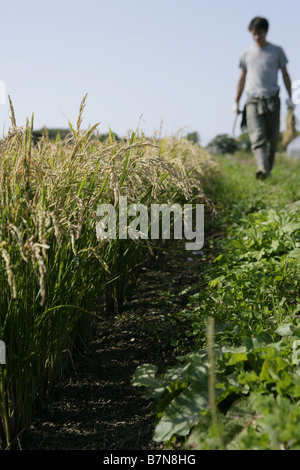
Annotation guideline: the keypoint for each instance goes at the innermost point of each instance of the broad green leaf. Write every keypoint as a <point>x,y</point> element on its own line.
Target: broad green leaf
<point>265,370</point>
<point>144,376</point>
<point>181,414</point>
<point>296,351</point>
<point>294,253</point>
<point>235,358</point>
<point>284,329</point>
<point>239,350</point>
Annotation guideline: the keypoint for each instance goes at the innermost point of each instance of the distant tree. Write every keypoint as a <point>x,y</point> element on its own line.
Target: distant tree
<point>193,137</point>
<point>53,134</point>
<point>61,133</point>
<point>244,142</point>
<point>223,144</point>
<point>112,135</point>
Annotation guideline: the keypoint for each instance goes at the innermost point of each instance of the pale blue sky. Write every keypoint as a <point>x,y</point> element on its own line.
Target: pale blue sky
<point>175,62</point>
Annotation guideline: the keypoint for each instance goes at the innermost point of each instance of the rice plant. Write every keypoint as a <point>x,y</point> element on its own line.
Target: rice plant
<point>55,275</point>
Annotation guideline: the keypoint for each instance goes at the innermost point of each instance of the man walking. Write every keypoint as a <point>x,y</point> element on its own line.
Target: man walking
<point>259,72</point>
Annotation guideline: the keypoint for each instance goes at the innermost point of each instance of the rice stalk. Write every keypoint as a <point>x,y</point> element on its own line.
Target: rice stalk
<point>53,269</point>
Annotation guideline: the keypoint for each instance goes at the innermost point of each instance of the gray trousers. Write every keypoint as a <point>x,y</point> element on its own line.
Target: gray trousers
<point>263,123</point>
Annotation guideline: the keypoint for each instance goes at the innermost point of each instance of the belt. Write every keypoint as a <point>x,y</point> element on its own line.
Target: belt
<point>265,104</point>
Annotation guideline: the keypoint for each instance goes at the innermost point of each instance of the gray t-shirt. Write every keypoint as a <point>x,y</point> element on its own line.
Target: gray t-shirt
<point>261,65</point>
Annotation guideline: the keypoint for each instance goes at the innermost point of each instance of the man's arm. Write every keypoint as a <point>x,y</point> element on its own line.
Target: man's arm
<point>287,81</point>
<point>240,86</point>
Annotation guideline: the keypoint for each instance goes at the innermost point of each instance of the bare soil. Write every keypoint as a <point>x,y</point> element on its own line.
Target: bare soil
<point>94,405</point>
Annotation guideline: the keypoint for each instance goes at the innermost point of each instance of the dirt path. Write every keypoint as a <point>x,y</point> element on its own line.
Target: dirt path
<point>95,406</point>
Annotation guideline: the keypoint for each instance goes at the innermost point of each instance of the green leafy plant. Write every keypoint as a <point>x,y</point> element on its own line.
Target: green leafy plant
<point>252,292</point>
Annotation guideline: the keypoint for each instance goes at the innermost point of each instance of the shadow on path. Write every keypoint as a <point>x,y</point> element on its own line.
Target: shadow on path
<point>94,406</point>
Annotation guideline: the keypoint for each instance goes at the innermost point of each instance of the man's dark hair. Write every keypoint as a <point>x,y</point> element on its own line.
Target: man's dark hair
<point>259,23</point>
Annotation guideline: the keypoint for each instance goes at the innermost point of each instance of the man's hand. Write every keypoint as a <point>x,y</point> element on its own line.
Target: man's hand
<point>288,86</point>
<point>235,108</point>
<point>239,91</point>
<point>290,104</point>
